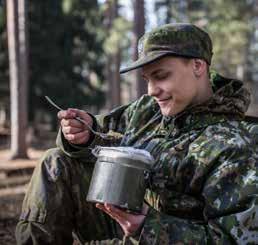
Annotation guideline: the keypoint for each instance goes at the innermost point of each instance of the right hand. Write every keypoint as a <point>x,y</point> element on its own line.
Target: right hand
<point>74,131</point>
<point>130,223</point>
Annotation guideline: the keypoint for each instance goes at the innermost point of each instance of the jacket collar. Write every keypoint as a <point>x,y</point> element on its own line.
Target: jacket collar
<point>230,100</point>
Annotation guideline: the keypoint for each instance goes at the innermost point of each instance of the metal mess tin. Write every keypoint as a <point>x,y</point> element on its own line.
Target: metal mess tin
<point>119,177</point>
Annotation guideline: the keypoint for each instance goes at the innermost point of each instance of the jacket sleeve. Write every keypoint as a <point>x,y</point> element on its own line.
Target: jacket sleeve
<point>113,124</point>
<point>230,194</point>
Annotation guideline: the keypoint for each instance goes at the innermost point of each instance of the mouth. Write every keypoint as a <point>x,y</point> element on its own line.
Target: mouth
<point>163,101</point>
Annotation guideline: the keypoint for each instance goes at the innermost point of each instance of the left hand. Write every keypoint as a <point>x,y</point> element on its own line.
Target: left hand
<point>130,223</point>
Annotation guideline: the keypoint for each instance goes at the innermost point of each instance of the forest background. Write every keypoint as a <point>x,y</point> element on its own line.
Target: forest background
<point>74,49</point>
<point>71,50</point>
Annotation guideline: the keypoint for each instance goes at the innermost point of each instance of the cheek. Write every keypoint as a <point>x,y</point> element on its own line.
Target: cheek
<point>176,87</point>
<point>184,95</point>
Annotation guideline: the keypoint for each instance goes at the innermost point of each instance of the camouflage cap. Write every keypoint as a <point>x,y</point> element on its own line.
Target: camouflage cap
<point>177,39</point>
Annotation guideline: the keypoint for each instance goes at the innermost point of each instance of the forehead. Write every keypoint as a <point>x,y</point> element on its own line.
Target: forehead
<point>165,63</point>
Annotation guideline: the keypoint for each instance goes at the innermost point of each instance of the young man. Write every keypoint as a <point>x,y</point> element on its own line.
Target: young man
<point>204,185</point>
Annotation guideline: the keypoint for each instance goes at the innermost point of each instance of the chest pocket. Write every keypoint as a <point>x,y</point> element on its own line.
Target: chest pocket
<point>171,163</point>
<point>170,177</point>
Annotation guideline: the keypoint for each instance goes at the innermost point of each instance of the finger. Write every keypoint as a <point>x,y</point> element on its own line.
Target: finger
<point>117,213</point>
<point>73,123</point>
<point>66,114</point>
<point>72,130</point>
<point>102,207</point>
<point>107,210</point>
<point>122,217</point>
<point>128,222</point>
<point>83,115</point>
<point>77,138</point>
<point>113,209</point>
<point>99,205</point>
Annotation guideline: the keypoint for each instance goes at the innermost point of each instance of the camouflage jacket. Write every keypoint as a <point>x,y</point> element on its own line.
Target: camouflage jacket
<point>204,187</point>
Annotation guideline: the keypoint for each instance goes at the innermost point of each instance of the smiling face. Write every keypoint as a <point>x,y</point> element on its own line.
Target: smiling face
<point>173,82</point>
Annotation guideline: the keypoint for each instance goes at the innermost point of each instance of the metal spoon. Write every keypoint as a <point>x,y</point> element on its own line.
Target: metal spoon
<point>78,119</point>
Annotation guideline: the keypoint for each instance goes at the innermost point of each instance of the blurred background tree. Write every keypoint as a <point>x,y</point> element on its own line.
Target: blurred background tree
<point>138,31</point>
<point>18,74</point>
<point>66,55</point>
<point>116,27</point>
<point>77,46</point>
<point>228,22</point>
<point>4,71</point>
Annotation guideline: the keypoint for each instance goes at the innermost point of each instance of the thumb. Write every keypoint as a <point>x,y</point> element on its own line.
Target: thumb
<point>83,115</point>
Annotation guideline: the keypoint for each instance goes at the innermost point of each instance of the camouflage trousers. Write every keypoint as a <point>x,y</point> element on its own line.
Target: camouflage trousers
<point>55,207</point>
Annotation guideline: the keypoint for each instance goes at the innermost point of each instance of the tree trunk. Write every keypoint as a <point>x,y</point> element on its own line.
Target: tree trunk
<point>168,14</point>
<point>139,28</point>
<point>16,25</point>
<point>116,88</point>
<point>113,61</point>
<point>182,9</point>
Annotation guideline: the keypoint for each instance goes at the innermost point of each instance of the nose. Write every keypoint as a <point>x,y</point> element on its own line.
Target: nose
<point>153,89</point>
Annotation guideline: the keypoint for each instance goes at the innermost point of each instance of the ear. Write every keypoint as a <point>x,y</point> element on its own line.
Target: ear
<point>199,67</point>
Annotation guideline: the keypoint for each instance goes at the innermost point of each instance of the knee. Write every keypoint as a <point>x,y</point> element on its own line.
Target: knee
<point>53,164</point>
<point>53,153</point>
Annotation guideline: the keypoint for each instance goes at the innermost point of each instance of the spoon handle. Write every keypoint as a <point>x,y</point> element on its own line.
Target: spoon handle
<point>76,118</point>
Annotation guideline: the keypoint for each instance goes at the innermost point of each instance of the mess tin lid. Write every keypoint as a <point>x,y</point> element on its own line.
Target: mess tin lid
<point>129,156</point>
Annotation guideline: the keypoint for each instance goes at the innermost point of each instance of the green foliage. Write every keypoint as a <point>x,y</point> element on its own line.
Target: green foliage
<point>118,30</point>
<point>228,22</point>
<point>118,38</point>
<point>66,55</point>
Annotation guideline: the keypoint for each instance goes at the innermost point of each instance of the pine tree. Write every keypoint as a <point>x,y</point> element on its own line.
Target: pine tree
<point>16,21</point>
<point>66,55</point>
<point>139,28</point>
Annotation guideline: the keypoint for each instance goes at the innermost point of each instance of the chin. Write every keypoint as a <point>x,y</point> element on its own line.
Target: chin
<point>169,112</point>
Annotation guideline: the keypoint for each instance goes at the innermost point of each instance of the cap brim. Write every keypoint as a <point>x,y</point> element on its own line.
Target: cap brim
<point>155,55</point>
<point>145,60</point>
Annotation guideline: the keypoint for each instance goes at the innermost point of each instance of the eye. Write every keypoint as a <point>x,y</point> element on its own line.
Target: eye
<point>162,75</point>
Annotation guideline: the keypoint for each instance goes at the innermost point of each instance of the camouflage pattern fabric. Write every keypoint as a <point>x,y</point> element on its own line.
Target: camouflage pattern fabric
<point>55,205</point>
<point>177,39</point>
<point>204,184</point>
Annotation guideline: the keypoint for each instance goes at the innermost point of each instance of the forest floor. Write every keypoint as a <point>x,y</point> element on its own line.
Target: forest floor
<point>14,177</point>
